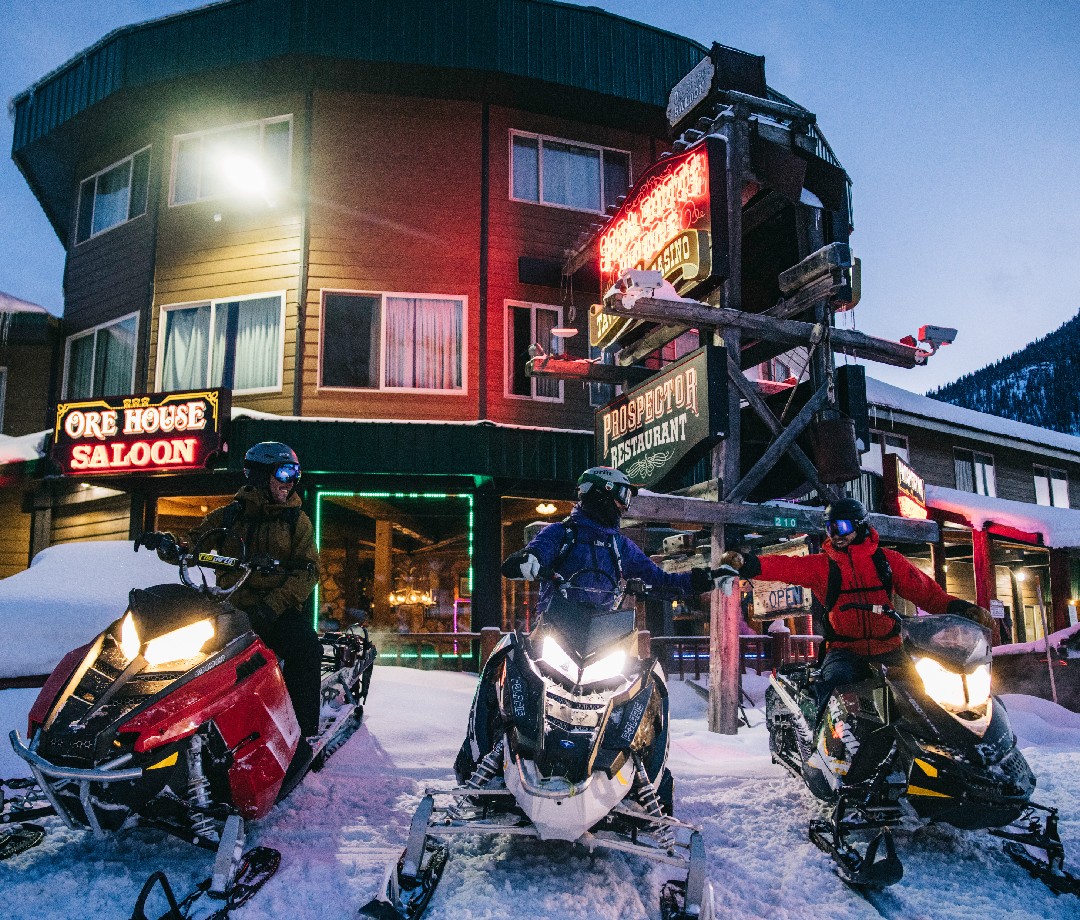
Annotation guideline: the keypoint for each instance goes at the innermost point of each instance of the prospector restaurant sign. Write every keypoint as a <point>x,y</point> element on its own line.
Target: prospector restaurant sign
<point>649,430</point>
<point>140,434</point>
<point>674,221</point>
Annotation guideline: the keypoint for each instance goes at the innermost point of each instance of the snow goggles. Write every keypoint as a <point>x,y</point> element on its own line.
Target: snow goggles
<point>840,528</point>
<point>622,494</point>
<point>287,472</point>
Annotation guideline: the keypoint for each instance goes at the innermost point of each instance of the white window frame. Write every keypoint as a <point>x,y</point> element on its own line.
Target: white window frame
<point>978,458</point>
<point>540,139</point>
<point>93,331</point>
<point>508,357</point>
<point>178,138</point>
<point>877,451</point>
<point>130,160</point>
<point>382,387</point>
<point>1041,471</point>
<point>213,304</point>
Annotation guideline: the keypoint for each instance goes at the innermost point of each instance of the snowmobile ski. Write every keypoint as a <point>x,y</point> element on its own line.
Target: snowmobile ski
<point>861,870</point>
<point>29,805</point>
<point>411,883</point>
<point>21,839</point>
<point>1035,845</point>
<point>257,866</point>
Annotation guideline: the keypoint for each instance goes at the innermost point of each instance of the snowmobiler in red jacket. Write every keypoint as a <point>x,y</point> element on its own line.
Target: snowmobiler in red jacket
<point>850,577</point>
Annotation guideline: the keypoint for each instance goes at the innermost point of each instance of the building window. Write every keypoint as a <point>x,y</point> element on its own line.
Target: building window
<point>199,340</point>
<point>1051,487</point>
<point>975,473</point>
<point>113,196</point>
<point>251,158</point>
<point>526,324</point>
<point>881,443</point>
<point>393,342</point>
<point>566,174</point>
<point>101,361</point>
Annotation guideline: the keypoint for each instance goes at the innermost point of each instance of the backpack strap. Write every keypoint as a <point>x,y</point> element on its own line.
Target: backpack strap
<point>231,515</point>
<point>884,570</point>
<point>570,535</point>
<point>832,592</point>
<point>835,586</point>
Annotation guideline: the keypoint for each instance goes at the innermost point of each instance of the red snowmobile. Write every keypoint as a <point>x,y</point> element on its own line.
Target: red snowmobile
<point>177,717</point>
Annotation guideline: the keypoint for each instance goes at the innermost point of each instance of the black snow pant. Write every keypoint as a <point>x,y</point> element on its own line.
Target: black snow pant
<point>843,666</point>
<point>293,639</point>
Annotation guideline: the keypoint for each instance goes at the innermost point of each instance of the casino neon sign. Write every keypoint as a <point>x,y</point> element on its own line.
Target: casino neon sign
<point>132,434</point>
<point>667,222</point>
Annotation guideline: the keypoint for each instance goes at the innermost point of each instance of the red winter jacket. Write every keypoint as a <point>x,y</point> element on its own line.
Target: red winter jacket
<point>862,631</point>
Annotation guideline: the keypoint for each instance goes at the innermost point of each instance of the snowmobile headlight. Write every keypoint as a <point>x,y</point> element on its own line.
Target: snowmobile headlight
<point>130,643</point>
<point>185,642</point>
<point>952,690</point>
<point>558,659</point>
<point>606,667</point>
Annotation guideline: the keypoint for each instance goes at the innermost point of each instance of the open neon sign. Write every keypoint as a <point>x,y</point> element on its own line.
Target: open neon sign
<point>669,220</point>
<point>156,433</point>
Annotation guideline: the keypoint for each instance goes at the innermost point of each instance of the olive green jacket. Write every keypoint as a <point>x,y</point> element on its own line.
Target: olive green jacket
<point>266,530</point>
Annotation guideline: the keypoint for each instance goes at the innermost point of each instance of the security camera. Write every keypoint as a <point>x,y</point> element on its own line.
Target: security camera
<point>936,336</point>
<point>635,283</point>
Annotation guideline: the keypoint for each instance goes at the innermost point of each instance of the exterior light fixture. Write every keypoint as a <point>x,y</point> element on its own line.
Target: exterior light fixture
<point>563,332</point>
<point>1021,574</point>
<point>545,508</point>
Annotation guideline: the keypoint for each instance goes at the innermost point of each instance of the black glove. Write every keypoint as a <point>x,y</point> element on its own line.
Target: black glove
<point>972,612</point>
<point>262,615</point>
<point>164,543</point>
<point>521,565</point>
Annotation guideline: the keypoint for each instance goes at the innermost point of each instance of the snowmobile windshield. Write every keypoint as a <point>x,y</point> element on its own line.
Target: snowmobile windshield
<point>584,632</point>
<point>952,640</point>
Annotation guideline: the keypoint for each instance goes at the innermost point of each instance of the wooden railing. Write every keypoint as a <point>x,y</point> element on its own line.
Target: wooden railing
<point>684,656</point>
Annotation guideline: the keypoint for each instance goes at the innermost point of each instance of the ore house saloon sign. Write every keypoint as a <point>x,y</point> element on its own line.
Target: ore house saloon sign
<point>160,432</point>
<point>657,427</point>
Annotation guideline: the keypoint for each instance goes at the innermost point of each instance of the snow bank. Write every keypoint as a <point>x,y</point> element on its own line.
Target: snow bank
<point>67,596</point>
<point>1038,645</point>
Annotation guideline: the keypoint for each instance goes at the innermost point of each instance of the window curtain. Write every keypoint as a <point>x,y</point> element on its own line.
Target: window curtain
<point>257,336</point>
<point>571,176</point>
<point>80,382</point>
<point>424,340</point>
<point>114,359</point>
<point>187,345</point>
<point>111,200</point>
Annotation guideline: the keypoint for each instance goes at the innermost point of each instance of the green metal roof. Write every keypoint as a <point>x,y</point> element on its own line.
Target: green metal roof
<point>558,43</point>
<point>421,449</point>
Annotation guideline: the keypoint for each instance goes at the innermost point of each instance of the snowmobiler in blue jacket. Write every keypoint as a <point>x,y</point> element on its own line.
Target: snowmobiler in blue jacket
<point>588,545</point>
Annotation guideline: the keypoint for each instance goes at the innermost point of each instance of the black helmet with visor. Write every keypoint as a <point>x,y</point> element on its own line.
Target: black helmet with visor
<point>847,516</point>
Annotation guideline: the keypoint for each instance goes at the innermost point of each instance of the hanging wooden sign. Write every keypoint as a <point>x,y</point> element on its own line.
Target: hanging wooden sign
<point>652,429</point>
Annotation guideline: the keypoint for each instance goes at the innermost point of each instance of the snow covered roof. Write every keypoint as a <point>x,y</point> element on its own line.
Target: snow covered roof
<point>12,304</point>
<point>884,395</point>
<point>1060,527</point>
<point>23,448</point>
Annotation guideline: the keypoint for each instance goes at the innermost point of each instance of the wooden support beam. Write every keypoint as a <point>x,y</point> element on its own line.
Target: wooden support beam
<point>648,343</point>
<point>784,441</point>
<point>845,341</point>
<point>584,369</point>
<point>651,506</point>
<point>752,397</point>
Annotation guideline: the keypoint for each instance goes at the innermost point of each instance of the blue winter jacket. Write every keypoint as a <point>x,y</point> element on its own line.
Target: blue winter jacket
<point>592,549</point>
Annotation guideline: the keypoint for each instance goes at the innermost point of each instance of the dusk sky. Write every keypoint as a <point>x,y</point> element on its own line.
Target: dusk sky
<point>956,120</point>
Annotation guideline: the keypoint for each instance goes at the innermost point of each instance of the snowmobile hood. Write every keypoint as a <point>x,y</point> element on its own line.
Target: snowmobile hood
<point>584,631</point>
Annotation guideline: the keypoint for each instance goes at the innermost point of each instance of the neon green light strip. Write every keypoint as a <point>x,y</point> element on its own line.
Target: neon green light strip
<point>320,495</point>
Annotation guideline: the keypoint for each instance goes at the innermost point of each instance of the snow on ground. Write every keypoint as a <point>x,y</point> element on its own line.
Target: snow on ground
<point>342,827</point>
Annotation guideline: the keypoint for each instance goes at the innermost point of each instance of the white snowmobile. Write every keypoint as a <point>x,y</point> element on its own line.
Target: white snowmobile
<point>567,740</point>
<point>914,743</point>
